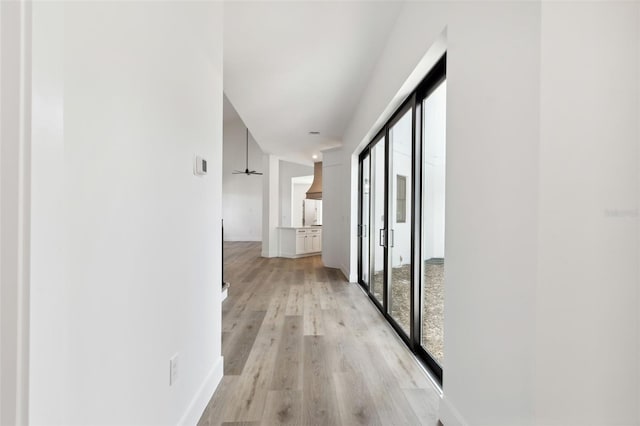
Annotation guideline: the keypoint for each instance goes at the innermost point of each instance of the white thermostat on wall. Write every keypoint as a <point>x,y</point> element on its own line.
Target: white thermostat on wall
<point>201,166</point>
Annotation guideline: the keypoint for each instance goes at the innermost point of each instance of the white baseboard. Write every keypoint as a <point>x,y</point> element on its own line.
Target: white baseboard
<point>448,414</point>
<point>298,256</point>
<point>203,396</point>
<point>351,277</point>
<point>345,272</point>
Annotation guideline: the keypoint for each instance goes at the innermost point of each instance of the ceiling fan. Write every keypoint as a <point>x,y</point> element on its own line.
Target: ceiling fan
<point>246,170</point>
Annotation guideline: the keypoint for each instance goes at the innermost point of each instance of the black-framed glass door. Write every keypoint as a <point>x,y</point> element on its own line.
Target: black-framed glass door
<point>401,220</point>
<point>378,227</point>
<point>432,226</point>
<point>372,226</point>
<point>399,246</point>
<point>364,222</point>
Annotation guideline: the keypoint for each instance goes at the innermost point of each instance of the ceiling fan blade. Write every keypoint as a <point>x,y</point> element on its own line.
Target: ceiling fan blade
<point>253,172</point>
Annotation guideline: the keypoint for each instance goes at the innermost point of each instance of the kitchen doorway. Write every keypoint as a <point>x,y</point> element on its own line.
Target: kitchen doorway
<point>304,212</point>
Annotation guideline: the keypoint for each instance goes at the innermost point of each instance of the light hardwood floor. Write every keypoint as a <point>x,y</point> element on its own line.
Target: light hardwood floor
<point>302,346</point>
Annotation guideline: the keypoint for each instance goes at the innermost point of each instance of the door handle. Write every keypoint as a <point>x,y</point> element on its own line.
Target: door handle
<point>381,235</point>
<point>360,231</point>
<point>393,237</point>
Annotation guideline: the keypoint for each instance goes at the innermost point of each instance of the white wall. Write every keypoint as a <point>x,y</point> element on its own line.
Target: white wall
<point>15,200</point>
<point>51,289</point>
<point>334,197</point>
<point>289,170</point>
<point>270,205</point>
<point>126,242</point>
<point>588,283</point>
<point>241,194</point>
<point>541,298</point>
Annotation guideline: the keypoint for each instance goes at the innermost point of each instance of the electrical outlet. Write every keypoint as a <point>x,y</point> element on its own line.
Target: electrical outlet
<point>173,370</point>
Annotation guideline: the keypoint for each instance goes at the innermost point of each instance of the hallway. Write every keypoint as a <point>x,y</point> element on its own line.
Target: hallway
<point>303,346</point>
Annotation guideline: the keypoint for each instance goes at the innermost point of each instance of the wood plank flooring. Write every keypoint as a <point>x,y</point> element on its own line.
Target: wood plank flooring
<point>302,346</point>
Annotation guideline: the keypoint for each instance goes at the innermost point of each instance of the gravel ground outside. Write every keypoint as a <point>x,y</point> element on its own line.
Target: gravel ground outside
<point>432,303</point>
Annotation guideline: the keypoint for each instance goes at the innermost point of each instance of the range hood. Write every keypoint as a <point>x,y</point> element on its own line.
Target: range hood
<point>315,191</point>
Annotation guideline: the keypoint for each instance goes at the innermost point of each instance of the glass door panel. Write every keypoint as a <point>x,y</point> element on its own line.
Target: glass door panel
<point>377,229</point>
<point>365,213</point>
<point>433,209</point>
<point>399,233</point>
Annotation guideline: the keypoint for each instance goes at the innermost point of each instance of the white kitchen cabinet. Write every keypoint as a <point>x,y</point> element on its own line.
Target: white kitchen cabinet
<point>315,243</point>
<point>314,240</point>
<point>299,242</point>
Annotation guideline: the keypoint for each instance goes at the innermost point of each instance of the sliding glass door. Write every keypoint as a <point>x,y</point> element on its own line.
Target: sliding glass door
<point>399,246</point>
<point>433,192</point>
<point>364,225</point>
<point>401,223</point>
<point>372,220</point>
<point>378,223</point>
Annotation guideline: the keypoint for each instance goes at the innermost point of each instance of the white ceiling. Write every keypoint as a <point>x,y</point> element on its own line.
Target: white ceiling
<point>295,67</point>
